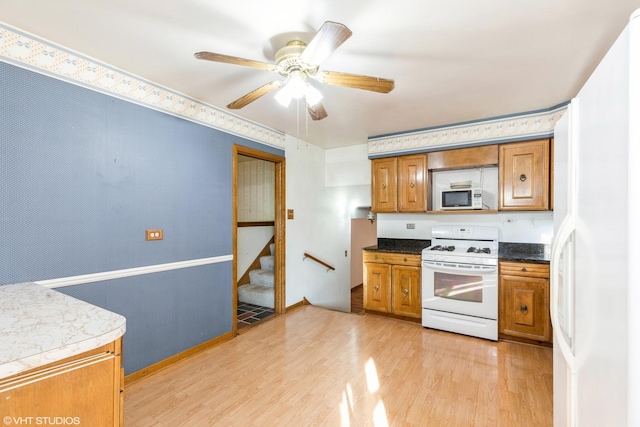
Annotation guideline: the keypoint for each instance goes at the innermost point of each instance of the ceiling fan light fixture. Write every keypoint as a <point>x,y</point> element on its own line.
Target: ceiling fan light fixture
<point>312,95</point>
<point>296,86</point>
<point>297,62</point>
<point>283,96</point>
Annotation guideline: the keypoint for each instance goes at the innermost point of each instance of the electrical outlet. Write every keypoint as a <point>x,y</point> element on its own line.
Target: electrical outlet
<point>154,234</point>
<point>411,226</point>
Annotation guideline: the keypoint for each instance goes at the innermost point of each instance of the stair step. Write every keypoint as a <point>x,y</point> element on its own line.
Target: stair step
<point>267,262</point>
<point>262,277</point>
<point>256,294</point>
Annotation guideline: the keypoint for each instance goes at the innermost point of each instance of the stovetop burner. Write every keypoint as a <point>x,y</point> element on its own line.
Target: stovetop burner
<point>443,248</point>
<point>468,244</point>
<point>479,250</point>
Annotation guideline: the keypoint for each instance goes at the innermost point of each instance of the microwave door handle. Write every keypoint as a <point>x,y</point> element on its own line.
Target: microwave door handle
<point>564,233</point>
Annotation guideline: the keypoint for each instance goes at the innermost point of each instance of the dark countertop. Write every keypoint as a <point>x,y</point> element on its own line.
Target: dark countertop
<point>401,246</point>
<point>507,251</point>
<point>524,252</point>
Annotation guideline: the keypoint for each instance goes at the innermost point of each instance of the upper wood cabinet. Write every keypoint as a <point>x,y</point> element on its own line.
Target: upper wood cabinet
<point>399,184</point>
<point>463,158</point>
<point>412,183</point>
<point>524,175</point>
<point>384,187</point>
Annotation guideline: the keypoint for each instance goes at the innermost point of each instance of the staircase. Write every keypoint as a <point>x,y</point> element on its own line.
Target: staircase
<point>259,290</point>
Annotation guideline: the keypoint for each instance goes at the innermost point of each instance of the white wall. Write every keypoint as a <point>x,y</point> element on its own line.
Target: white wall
<point>251,241</point>
<point>323,188</point>
<point>522,227</point>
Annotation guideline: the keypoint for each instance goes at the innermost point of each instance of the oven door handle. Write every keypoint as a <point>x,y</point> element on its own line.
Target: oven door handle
<point>452,267</point>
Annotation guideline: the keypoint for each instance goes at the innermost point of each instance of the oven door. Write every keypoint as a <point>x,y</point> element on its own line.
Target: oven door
<point>460,288</point>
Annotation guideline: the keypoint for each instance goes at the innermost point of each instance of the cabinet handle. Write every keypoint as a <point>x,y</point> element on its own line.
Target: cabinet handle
<point>524,269</point>
<point>405,292</point>
<point>405,260</point>
<point>384,186</point>
<point>375,288</point>
<point>411,185</point>
<point>523,177</point>
<point>524,309</point>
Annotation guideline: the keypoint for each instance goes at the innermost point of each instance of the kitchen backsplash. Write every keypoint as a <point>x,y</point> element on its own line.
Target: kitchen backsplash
<point>524,227</point>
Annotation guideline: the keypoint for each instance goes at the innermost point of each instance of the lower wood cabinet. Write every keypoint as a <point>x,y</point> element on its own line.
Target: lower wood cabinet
<point>85,389</point>
<point>524,302</point>
<point>392,284</point>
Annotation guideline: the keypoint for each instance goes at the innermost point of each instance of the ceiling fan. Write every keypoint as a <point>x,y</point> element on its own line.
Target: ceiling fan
<point>298,62</point>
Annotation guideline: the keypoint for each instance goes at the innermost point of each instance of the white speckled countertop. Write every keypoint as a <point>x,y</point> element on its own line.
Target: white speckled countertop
<point>40,326</point>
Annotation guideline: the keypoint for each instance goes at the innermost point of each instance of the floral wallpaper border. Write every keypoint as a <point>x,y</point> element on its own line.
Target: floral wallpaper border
<point>517,127</point>
<point>35,54</point>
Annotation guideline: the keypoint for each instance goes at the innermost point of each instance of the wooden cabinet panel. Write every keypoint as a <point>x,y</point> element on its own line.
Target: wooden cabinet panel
<point>405,296</point>
<point>508,268</point>
<point>524,176</point>
<point>377,287</point>
<point>412,183</point>
<point>392,283</point>
<point>463,158</point>
<point>392,258</point>
<point>524,301</point>
<point>384,196</point>
<point>83,390</point>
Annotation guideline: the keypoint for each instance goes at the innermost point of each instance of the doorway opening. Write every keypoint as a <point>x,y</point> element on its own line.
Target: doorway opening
<point>258,236</point>
<point>364,233</point>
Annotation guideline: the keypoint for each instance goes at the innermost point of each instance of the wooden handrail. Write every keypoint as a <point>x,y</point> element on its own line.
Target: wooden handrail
<point>327,266</point>
<point>255,223</point>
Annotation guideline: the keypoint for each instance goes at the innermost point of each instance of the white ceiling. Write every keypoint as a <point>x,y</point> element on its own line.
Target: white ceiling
<point>452,61</point>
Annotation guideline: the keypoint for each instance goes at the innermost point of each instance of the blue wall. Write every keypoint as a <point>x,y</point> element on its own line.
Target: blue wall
<point>83,174</point>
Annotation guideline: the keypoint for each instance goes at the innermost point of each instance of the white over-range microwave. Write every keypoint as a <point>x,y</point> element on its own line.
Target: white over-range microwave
<point>461,198</point>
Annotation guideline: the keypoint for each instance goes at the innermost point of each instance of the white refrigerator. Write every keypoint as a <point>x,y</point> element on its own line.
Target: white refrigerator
<point>595,257</point>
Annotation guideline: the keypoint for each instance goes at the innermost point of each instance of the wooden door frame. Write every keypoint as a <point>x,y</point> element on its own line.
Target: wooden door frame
<point>279,228</point>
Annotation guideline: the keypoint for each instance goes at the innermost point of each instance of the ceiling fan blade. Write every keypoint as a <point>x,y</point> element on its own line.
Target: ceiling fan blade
<point>218,57</point>
<point>317,111</point>
<point>255,94</point>
<point>328,38</point>
<point>374,84</point>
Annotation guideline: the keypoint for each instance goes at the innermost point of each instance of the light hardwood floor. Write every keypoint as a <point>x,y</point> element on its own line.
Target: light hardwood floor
<point>314,367</point>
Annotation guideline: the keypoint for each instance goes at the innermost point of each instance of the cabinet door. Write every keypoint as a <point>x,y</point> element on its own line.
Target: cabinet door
<point>524,308</point>
<point>80,392</point>
<point>406,294</point>
<point>377,287</point>
<point>412,183</point>
<point>384,185</point>
<point>524,176</point>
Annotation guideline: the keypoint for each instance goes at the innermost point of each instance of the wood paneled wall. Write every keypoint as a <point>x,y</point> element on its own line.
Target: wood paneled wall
<point>256,190</point>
